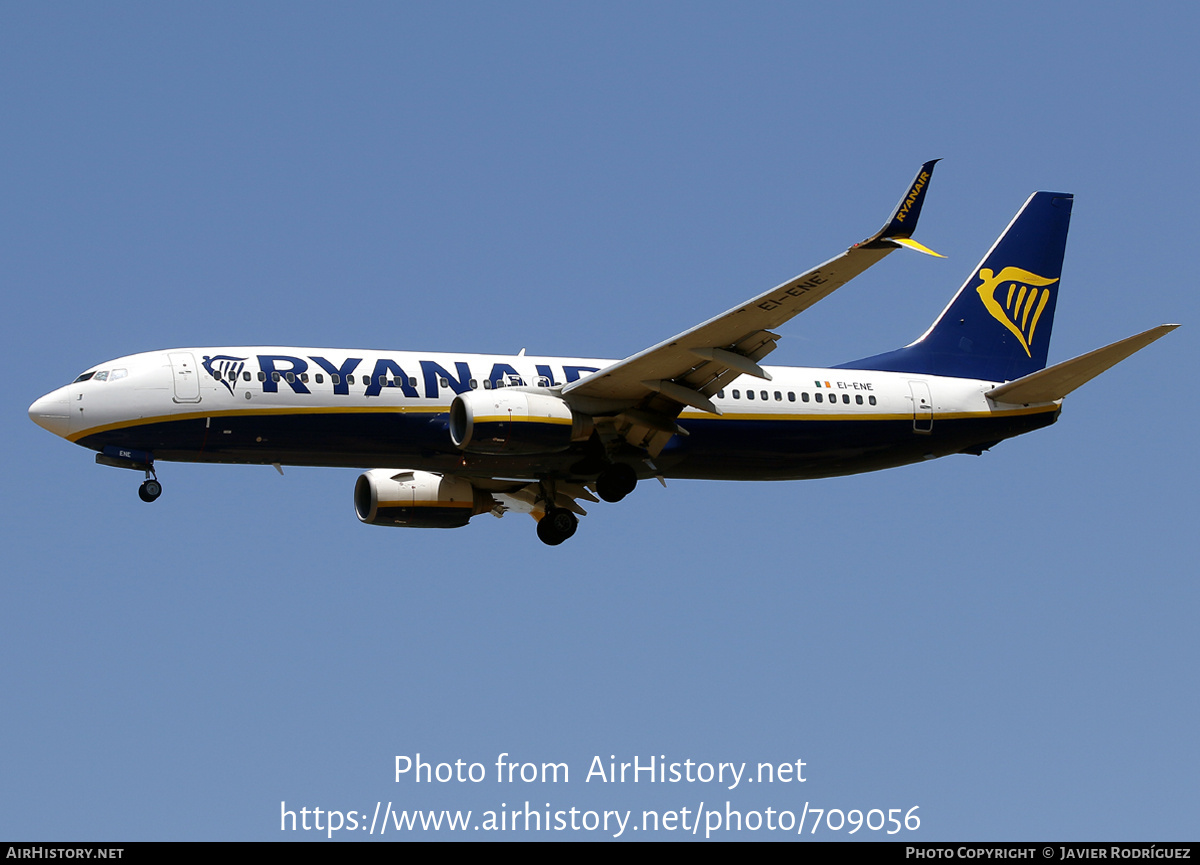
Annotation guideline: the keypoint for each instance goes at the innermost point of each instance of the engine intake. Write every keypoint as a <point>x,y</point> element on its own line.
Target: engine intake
<point>423,500</point>
<point>508,421</point>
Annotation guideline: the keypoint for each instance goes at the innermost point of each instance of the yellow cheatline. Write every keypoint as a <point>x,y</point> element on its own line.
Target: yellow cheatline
<point>694,415</point>
<point>254,411</point>
<point>866,416</point>
<point>504,418</point>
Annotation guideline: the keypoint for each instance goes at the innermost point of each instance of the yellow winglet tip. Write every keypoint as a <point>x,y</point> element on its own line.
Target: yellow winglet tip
<point>912,244</point>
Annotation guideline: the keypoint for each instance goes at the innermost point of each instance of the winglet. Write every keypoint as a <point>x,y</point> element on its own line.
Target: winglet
<point>903,221</point>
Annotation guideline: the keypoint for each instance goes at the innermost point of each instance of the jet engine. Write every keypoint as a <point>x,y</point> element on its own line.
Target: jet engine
<point>423,500</point>
<point>509,421</point>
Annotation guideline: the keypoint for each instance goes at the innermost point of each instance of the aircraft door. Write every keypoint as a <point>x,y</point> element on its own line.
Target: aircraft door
<point>186,376</point>
<point>922,407</point>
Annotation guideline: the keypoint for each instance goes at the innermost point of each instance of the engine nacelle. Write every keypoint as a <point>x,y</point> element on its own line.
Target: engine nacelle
<point>509,421</point>
<point>422,500</point>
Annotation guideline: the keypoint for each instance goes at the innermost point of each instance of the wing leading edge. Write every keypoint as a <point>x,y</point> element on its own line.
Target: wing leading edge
<point>687,369</point>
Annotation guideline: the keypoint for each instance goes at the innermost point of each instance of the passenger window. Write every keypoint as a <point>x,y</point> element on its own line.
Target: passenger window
<point>871,400</point>
<point>216,374</point>
<point>818,397</point>
<point>320,378</point>
<point>246,376</point>
<point>304,377</point>
<point>474,384</point>
<point>858,398</point>
<point>487,384</point>
<point>846,398</point>
<point>791,396</point>
<point>382,380</point>
<point>749,394</point>
<point>350,379</point>
<point>737,394</point>
<point>274,376</point>
<point>291,377</point>
<point>412,381</point>
<point>443,382</point>
<point>763,394</point>
<point>720,394</point>
<point>262,376</point>
<point>335,378</point>
<point>778,396</point>
<point>804,396</point>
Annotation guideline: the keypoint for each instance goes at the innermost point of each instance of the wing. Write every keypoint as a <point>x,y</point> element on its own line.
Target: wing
<point>535,498</point>
<point>690,367</point>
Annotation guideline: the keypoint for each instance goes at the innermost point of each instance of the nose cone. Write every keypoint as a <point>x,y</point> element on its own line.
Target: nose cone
<point>52,412</point>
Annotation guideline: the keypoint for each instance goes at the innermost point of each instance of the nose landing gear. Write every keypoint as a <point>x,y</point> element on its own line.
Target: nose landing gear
<point>150,488</point>
<point>139,461</point>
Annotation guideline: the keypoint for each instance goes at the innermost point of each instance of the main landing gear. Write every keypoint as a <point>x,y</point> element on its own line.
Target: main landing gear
<point>616,482</point>
<point>150,488</point>
<point>556,526</point>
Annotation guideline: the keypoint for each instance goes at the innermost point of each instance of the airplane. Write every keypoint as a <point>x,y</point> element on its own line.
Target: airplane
<point>466,434</point>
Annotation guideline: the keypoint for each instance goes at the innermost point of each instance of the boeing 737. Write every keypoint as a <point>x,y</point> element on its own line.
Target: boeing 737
<point>444,437</point>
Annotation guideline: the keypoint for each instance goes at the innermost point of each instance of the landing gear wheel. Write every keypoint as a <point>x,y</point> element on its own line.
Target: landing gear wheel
<point>556,526</point>
<point>149,490</point>
<point>616,482</point>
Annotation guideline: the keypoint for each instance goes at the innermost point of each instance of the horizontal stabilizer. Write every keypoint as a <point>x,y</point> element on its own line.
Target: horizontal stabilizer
<point>1048,385</point>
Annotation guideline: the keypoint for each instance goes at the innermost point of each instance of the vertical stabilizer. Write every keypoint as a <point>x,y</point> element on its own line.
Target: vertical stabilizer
<point>998,325</point>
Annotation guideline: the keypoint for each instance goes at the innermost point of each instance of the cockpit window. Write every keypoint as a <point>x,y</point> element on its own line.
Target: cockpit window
<point>84,377</point>
<point>118,373</point>
<point>101,376</point>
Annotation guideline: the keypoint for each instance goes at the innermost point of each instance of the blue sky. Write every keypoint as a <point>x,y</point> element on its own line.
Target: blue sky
<point>1007,642</point>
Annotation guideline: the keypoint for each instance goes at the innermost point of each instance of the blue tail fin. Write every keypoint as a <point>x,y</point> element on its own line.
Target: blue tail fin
<point>998,326</point>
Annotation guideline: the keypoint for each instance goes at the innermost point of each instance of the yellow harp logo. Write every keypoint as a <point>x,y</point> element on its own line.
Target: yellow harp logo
<point>1024,300</point>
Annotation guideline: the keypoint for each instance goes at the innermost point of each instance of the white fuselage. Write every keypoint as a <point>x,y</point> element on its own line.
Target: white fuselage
<point>340,407</point>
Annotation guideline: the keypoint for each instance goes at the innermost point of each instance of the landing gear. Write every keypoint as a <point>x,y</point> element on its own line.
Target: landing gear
<point>556,526</point>
<point>616,482</point>
<point>150,488</point>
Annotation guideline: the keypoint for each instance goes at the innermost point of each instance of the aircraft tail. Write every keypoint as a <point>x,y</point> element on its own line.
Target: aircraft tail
<point>997,327</point>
